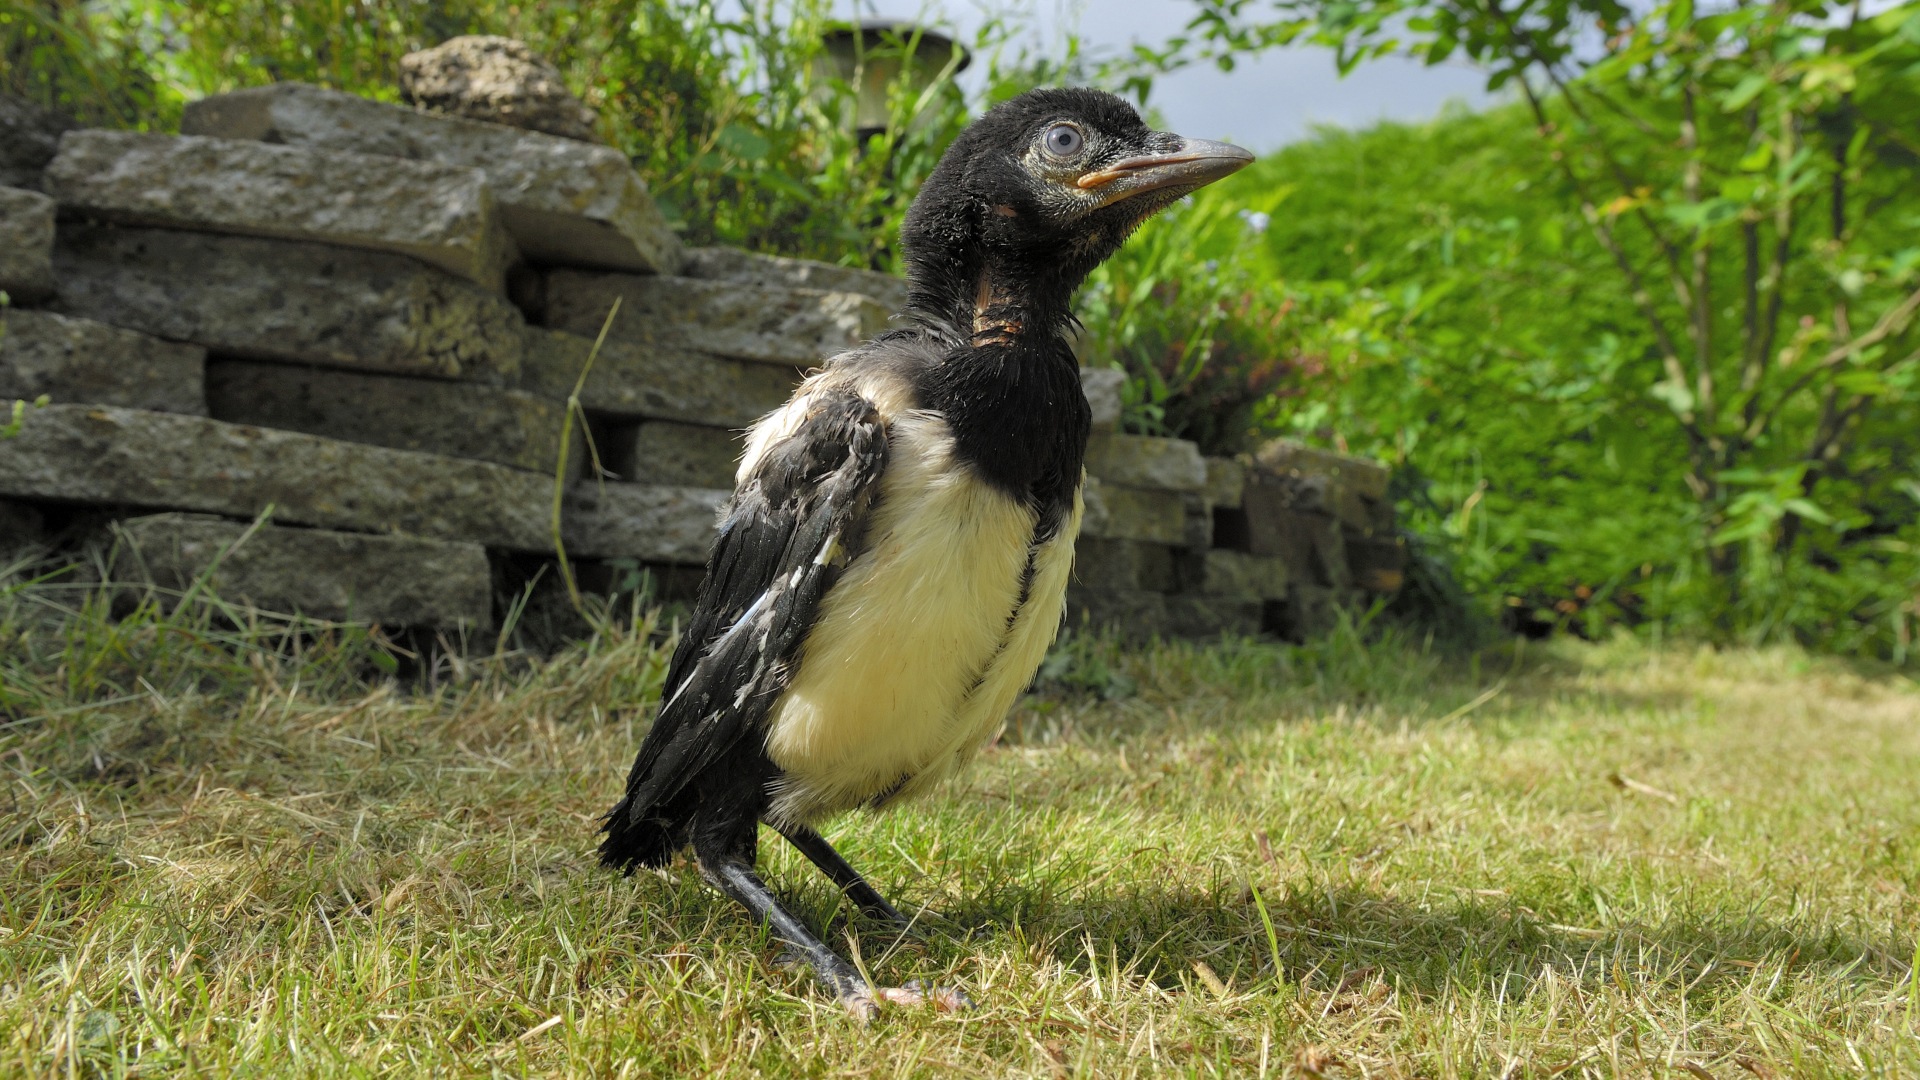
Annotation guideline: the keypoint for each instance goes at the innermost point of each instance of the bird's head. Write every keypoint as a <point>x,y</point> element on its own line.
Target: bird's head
<point>1033,196</point>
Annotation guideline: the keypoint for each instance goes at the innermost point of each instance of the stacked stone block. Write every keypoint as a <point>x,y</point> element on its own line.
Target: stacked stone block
<point>1179,545</point>
<point>369,319</point>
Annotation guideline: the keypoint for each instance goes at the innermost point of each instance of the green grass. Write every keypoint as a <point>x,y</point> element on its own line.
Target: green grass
<point>245,852</point>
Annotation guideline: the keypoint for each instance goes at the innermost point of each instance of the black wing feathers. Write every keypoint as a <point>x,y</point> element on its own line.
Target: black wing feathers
<point>791,528</point>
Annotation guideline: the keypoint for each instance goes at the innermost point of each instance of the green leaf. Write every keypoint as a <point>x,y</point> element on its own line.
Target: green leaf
<point>1675,394</point>
<point>743,143</point>
<point>1807,510</point>
<point>1743,92</point>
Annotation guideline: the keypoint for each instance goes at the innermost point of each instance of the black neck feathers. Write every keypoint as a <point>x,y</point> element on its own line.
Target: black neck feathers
<point>1009,386</point>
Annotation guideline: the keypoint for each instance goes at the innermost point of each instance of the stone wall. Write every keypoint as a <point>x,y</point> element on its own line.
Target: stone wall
<point>369,317</point>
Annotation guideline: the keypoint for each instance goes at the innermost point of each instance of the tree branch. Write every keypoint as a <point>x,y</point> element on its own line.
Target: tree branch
<point>1893,322</point>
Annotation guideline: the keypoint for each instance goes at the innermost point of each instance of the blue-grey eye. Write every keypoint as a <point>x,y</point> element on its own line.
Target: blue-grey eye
<point>1062,140</point>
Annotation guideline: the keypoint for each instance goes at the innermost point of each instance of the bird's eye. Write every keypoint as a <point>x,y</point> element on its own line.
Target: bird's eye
<point>1063,140</point>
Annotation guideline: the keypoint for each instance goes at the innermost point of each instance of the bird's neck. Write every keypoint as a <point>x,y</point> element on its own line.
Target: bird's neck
<point>1009,391</point>
<point>982,301</point>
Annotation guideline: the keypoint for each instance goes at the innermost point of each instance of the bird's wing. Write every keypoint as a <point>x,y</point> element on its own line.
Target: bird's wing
<point>793,525</point>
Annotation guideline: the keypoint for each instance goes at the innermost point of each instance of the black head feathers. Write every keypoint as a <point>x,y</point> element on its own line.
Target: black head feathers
<point>1033,196</point>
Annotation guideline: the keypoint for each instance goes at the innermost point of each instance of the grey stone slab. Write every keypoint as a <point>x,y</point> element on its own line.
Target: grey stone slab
<point>26,244</point>
<point>79,361</point>
<point>662,382</point>
<point>164,461</point>
<point>1320,481</point>
<point>1365,476</point>
<point>1203,617</point>
<point>494,78</point>
<point>1102,387</point>
<point>1144,461</point>
<point>1117,512</point>
<point>767,324</point>
<point>1312,545</point>
<point>461,420</point>
<point>1197,534</point>
<point>1378,563</point>
<point>641,521</point>
<point>393,580</point>
<point>751,268</point>
<point>1123,564</point>
<point>442,215</point>
<point>1140,614</point>
<point>29,137</point>
<point>1134,614</point>
<point>1243,576</point>
<point>564,202</point>
<point>290,302</point>
<point>684,455</point>
<point>1226,480</point>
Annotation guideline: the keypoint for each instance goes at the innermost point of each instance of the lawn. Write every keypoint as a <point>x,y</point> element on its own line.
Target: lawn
<point>248,852</point>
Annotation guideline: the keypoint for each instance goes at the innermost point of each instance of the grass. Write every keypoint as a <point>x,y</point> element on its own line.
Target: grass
<point>240,848</point>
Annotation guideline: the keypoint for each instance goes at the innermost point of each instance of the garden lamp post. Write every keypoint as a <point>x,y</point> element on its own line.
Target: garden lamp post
<point>868,57</point>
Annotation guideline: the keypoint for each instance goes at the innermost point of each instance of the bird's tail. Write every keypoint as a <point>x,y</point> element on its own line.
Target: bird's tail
<point>648,838</point>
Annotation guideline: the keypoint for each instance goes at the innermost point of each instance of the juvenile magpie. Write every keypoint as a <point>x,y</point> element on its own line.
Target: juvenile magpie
<point>894,560</point>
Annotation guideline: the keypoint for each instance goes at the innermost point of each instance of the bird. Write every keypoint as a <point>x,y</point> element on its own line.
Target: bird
<point>892,564</point>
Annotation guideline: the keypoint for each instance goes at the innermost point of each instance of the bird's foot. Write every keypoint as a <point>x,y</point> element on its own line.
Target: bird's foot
<point>865,1004</point>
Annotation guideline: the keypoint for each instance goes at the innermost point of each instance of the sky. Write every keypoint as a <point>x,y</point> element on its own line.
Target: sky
<point>1261,105</point>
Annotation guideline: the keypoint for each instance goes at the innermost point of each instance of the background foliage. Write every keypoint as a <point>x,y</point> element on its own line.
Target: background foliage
<point>1649,330</point>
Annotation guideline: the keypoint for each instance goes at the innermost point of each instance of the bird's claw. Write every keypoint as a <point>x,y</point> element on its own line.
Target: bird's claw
<point>865,1004</point>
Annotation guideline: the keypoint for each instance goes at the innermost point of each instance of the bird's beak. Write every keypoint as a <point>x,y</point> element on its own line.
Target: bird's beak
<point>1194,164</point>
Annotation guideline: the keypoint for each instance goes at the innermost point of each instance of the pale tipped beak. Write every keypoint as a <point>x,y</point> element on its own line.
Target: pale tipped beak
<point>1195,164</point>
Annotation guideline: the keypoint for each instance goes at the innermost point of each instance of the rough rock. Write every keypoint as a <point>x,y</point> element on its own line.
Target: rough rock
<point>462,420</point>
<point>1197,533</point>
<point>1136,614</point>
<point>1102,387</point>
<point>1144,461</point>
<point>655,382</point>
<point>682,455</point>
<point>26,244</point>
<point>1378,563</point>
<point>1211,616</point>
<point>78,361</point>
<point>1140,614</point>
<point>442,215</point>
<point>641,521</point>
<point>1238,574</point>
<point>766,324</point>
<point>164,461</point>
<point>1312,545</point>
<point>750,268</point>
<point>1123,564</point>
<point>1116,512</point>
<point>1320,481</point>
<point>394,580</point>
<point>29,137</point>
<point>564,202</point>
<point>1226,479</point>
<point>496,79</point>
<point>289,302</point>
<point>1310,611</point>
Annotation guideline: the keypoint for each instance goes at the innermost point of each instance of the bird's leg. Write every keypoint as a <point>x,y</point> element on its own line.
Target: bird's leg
<point>735,877</point>
<point>864,896</point>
